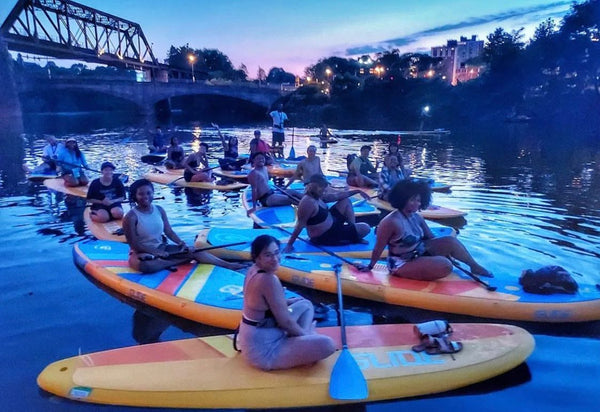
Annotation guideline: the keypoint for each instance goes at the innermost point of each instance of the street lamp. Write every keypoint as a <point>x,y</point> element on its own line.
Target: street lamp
<point>328,72</point>
<point>192,60</point>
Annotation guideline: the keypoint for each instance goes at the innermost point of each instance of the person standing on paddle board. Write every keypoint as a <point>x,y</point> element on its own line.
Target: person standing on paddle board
<point>261,191</point>
<point>307,167</point>
<point>279,118</point>
<point>413,252</point>
<point>106,195</point>
<point>145,227</point>
<point>175,155</point>
<point>328,226</point>
<point>276,333</point>
<point>71,162</point>
<point>194,161</point>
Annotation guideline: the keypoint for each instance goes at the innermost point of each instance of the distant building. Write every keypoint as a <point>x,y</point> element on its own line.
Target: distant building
<point>455,54</point>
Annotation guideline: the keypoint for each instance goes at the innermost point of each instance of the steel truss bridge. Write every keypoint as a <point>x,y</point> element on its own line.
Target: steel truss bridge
<point>68,30</point>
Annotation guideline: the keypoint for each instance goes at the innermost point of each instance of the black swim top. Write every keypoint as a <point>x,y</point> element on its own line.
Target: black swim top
<point>320,217</point>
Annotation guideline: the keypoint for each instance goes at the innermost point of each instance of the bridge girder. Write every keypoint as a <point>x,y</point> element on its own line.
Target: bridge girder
<point>69,30</point>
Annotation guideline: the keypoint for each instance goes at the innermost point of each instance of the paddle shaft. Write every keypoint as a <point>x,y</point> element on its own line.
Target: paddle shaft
<point>287,194</point>
<point>473,276</point>
<point>71,164</point>
<point>338,269</point>
<point>329,252</point>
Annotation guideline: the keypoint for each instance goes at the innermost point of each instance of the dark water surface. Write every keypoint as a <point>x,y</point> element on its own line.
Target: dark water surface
<point>529,204</point>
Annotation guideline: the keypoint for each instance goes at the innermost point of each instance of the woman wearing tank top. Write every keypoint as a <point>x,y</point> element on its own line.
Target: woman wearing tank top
<point>147,230</point>
<point>413,252</point>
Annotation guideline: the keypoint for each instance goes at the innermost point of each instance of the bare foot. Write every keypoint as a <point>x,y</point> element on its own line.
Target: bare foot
<point>479,270</point>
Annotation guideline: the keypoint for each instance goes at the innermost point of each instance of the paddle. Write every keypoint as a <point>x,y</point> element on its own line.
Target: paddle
<point>347,381</point>
<point>292,198</point>
<point>292,150</point>
<point>122,177</point>
<point>329,252</point>
<point>184,253</point>
<point>473,276</point>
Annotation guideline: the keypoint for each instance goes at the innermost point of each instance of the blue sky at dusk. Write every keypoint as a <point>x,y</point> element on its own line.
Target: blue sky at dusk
<point>296,34</point>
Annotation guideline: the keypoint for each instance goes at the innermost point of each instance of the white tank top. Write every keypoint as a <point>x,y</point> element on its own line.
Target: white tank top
<point>150,227</point>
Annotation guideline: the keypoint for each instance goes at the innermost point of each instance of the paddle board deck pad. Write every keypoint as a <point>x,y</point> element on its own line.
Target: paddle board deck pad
<point>58,185</point>
<point>177,180</point>
<point>456,293</point>
<point>111,230</point>
<point>154,158</point>
<point>223,236</point>
<point>208,373</point>
<point>286,215</point>
<point>200,292</point>
<point>432,212</point>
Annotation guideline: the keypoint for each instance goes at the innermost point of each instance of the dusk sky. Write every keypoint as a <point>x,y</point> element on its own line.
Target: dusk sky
<point>296,34</point>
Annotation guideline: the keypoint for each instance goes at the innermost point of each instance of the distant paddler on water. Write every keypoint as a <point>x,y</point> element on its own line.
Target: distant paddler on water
<point>70,164</point>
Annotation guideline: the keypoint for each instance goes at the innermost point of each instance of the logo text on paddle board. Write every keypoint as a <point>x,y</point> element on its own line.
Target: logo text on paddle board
<point>303,281</point>
<point>556,314</point>
<point>137,295</point>
<point>79,392</point>
<point>394,359</point>
<point>234,290</point>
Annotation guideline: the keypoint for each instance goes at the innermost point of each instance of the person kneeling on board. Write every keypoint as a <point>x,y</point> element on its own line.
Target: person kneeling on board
<point>413,252</point>
<point>276,333</point>
<point>71,162</point>
<point>328,226</point>
<point>145,227</point>
<point>106,195</point>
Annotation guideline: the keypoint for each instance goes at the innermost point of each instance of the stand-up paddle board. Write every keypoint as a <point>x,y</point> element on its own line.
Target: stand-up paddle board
<point>456,293</point>
<point>200,292</point>
<point>153,158</point>
<point>111,230</point>
<point>39,177</point>
<point>209,373</point>
<point>281,169</point>
<point>58,184</point>
<point>432,212</point>
<point>241,175</point>
<point>218,236</point>
<point>177,180</point>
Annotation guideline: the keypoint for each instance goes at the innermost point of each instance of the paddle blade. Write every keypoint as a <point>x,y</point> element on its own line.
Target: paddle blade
<point>292,153</point>
<point>347,381</point>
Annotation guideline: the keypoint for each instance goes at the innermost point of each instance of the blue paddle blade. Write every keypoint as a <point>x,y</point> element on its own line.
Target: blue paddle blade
<point>292,153</point>
<point>347,381</point>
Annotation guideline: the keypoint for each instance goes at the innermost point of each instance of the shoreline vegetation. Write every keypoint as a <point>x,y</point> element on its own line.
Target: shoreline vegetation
<point>551,81</point>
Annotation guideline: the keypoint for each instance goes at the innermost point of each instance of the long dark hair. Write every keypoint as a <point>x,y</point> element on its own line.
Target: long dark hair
<point>405,189</point>
<point>135,186</point>
<point>261,243</point>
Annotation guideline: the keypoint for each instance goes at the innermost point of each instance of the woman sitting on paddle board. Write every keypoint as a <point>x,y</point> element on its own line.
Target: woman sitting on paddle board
<point>71,162</point>
<point>193,162</point>
<point>328,226</point>
<point>175,155</point>
<point>276,333</point>
<point>106,194</point>
<point>391,173</point>
<point>144,226</point>
<point>413,252</point>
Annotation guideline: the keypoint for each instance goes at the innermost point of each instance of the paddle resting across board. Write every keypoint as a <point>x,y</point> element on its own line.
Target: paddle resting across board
<point>209,373</point>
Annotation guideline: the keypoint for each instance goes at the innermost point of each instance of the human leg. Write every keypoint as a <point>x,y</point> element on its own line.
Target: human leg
<point>205,257</point>
<point>344,210</point>
<point>303,350</point>
<point>116,212</point>
<point>423,268</point>
<point>302,311</point>
<point>99,215</point>
<point>451,246</point>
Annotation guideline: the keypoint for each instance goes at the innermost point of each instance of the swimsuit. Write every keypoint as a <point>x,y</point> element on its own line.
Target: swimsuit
<point>320,217</point>
<point>411,242</point>
<point>263,198</point>
<point>340,232</point>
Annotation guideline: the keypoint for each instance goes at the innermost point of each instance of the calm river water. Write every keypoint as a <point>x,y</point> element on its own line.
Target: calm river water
<point>529,204</point>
